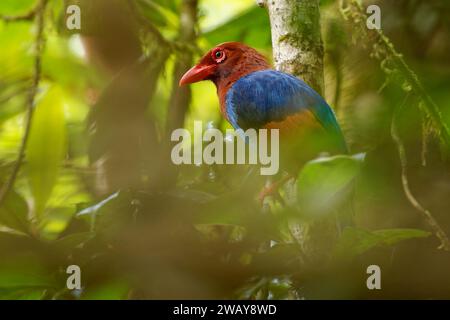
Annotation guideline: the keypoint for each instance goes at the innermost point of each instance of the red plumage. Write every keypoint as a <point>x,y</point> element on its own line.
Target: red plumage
<point>239,61</point>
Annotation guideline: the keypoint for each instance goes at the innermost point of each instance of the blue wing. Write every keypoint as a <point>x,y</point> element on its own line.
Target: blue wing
<point>268,96</point>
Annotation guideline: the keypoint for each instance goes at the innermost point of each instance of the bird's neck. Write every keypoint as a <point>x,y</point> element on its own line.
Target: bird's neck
<point>227,78</point>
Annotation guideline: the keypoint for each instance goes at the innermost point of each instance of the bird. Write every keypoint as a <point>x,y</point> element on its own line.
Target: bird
<point>254,95</point>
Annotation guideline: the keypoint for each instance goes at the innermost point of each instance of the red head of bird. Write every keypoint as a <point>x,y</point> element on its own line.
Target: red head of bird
<point>224,65</point>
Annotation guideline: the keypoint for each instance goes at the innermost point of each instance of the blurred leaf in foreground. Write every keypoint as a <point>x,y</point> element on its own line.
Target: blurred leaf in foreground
<point>237,29</point>
<point>14,212</point>
<point>323,183</point>
<point>46,147</point>
<point>356,241</point>
<point>24,271</point>
<point>16,6</point>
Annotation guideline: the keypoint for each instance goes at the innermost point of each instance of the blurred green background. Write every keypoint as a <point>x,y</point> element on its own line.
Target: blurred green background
<point>96,187</point>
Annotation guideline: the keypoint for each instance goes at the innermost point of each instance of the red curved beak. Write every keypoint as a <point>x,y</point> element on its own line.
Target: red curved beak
<point>197,73</point>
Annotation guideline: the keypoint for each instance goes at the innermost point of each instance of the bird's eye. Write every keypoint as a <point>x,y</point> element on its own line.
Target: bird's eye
<point>219,56</point>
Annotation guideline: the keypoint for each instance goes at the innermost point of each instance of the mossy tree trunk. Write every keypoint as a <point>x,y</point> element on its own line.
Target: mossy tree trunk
<point>298,50</point>
<point>296,39</point>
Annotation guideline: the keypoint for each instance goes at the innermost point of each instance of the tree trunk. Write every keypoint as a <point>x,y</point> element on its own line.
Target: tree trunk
<point>180,97</point>
<point>179,100</point>
<point>298,50</point>
<point>296,39</point>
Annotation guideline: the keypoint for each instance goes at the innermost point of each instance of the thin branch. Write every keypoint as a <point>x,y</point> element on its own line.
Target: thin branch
<point>426,131</point>
<point>440,234</point>
<point>162,41</point>
<point>338,86</point>
<point>39,43</point>
<point>180,97</point>
<point>385,51</point>
<point>28,16</point>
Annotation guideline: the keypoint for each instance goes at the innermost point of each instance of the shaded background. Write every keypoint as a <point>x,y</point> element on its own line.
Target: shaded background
<point>96,187</point>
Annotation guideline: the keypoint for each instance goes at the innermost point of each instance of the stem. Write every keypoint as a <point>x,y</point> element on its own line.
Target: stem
<point>337,89</point>
<point>28,16</point>
<point>354,11</point>
<point>171,45</point>
<point>440,234</point>
<point>298,50</point>
<point>181,96</point>
<point>297,40</point>
<point>39,43</point>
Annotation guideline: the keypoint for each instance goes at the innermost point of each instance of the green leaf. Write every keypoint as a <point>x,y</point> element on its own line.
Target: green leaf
<point>16,7</point>
<point>15,54</point>
<point>160,13</point>
<point>393,236</point>
<point>22,294</point>
<point>14,212</point>
<point>72,241</point>
<point>169,4</point>
<point>256,34</point>
<point>25,271</point>
<point>323,183</point>
<point>221,212</point>
<point>192,195</point>
<point>46,147</point>
<point>356,241</point>
<point>279,259</point>
<point>114,290</point>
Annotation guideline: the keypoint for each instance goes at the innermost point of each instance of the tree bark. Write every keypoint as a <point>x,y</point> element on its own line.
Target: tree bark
<point>180,98</point>
<point>298,50</point>
<point>296,39</point>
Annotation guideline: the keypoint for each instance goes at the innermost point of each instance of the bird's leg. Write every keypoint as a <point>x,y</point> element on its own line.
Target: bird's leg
<point>272,189</point>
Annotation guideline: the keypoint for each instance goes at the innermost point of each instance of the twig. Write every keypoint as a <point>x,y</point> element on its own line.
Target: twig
<point>162,41</point>
<point>384,52</point>
<point>440,234</point>
<point>28,16</point>
<point>39,43</point>
<point>173,46</point>
<point>180,97</point>
<point>354,11</point>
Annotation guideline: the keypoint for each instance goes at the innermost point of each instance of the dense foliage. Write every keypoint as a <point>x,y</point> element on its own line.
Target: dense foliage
<point>86,178</point>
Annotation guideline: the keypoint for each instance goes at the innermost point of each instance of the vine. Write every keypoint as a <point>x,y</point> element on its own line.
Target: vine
<point>38,14</point>
<point>395,67</point>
